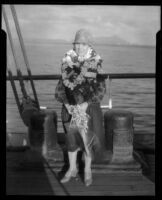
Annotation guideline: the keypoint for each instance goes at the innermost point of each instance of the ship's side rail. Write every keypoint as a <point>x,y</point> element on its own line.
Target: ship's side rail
<point>109,77</point>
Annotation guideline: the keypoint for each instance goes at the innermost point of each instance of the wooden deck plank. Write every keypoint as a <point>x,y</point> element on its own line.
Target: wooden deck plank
<point>23,180</point>
<point>80,189</point>
<point>97,181</point>
<point>108,183</point>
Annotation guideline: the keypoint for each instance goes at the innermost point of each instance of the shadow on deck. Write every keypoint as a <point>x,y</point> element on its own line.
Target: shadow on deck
<point>30,174</point>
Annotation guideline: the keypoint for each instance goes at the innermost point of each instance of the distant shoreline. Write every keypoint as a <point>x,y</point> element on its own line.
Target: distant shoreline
<point>95,44</point>
<point>63,42</point>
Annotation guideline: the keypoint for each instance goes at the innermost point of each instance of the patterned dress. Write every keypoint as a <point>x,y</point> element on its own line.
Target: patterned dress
<point>81,76</point>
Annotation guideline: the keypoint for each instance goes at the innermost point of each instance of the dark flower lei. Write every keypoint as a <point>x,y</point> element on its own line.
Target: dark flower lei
<point>77,71</point>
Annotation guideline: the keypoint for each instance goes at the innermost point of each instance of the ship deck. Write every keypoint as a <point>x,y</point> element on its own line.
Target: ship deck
<point>38,178</point>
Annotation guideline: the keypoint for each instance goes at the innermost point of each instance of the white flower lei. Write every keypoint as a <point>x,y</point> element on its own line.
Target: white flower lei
<point>80,120</point>
<point>81,77</point>
<point>79,116</point>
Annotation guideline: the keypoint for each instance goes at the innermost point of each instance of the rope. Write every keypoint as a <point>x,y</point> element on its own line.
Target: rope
<point>14,89</point>
<point>19,74</point>
<point>24,51</point>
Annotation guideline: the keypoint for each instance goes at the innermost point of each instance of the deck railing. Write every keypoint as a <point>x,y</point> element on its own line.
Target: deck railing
<point>105,75</point>
<point>110,76</point>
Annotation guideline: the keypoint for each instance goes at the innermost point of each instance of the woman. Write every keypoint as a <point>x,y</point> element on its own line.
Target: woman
<point>81,91</point>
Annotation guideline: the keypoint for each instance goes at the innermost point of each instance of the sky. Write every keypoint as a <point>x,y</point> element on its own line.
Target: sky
<point>135,24</point>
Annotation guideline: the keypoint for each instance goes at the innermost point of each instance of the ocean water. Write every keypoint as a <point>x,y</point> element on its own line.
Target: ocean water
<point>136,95</point>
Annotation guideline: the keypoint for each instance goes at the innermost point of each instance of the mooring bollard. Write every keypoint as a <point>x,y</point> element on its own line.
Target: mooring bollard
<point>119,135</point>
<point>28,107</point>
<point>43,132</point>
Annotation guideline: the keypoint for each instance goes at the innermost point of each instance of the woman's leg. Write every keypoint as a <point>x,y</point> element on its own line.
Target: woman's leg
<point>87,169</point>
<point>72,171</point>
<point>72,140</point>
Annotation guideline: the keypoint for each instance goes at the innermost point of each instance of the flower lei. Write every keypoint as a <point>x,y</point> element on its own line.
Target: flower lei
<point>80,120</point>
<point>75,68</point>
<point>79,116</point>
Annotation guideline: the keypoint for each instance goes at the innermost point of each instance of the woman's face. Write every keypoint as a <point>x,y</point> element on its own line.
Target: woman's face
<point>81,49</point>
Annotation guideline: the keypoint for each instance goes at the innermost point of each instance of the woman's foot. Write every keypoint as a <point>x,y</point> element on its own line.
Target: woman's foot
<point>88,178</point>
<point>69,174</point>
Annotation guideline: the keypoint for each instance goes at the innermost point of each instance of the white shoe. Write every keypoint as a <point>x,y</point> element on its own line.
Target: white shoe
<point>88,178</point>
<point>69,174</point>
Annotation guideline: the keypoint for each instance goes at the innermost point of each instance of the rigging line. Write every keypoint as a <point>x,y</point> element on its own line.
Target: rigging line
<point>24,51</point>
<point>14,89</point>
<point>19,74</point>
